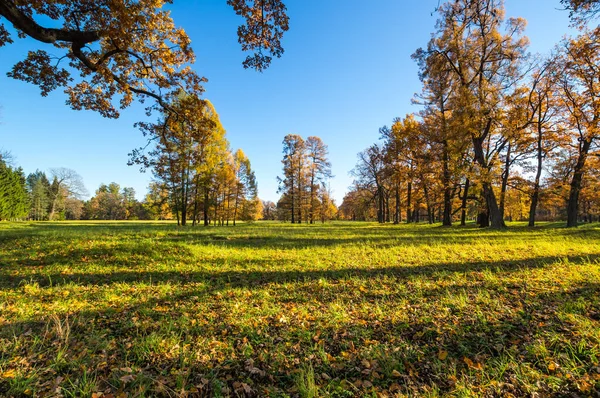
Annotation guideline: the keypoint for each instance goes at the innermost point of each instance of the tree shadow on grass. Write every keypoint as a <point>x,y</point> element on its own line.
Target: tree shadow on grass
<point>249,273</point>
<point>504,346</point>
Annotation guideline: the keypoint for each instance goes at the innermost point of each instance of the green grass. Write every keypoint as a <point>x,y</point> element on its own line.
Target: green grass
<point>339,310</point>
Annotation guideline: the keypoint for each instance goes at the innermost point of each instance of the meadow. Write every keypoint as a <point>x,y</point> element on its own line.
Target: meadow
<point>141,309</point>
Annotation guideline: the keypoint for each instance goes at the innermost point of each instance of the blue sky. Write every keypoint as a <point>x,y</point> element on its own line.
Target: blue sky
<point>346,72</point>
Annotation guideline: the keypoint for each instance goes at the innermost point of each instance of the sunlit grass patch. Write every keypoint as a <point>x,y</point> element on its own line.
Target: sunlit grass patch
<point>268,309</point>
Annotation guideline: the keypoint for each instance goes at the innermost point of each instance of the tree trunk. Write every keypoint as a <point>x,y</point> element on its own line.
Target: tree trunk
<point>536,186</point>
<point>183,197</point>
<point>447,217</point>
<point>463,211</point>
<point>496,220</point>
<point>428,204</point>
<point>505,175</point>
<point>573,204</point>
<point>397,209</point>
<point>235,206</point>
<point>292,201</point>
<point>312,196</point>
<point>387,207</point>
<point>408,203</point>
<point>206,208</point>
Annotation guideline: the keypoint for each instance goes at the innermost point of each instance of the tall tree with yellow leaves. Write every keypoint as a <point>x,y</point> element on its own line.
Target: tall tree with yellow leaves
<point>580,92</point>
<point>484,60</point>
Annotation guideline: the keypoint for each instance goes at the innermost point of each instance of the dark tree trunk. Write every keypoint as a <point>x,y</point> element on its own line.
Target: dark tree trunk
<point>573,204</point>
<point>409,203</point>
<point>463,212</point>
<point>183,198</point>
<point>387,207</point>
<point>505,175</point>
<point>428,204</point>
<point>312,197</point>
<point>206,208</point>
<point>447,217</point>
<point>495,217</point>
<point>483,219</point>
<point>292,202</point>
<point>536,186</point>
<point>397,209</point>
<point>380,206</point>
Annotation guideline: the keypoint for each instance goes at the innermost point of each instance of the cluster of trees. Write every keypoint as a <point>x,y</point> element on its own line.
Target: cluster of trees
<point>59,196</point>
<point>13,195</point>
<point>303,187</point>
<point>110,59</point>
<point>37,197</point>
<point>500,134</point>
<point>191,160</point>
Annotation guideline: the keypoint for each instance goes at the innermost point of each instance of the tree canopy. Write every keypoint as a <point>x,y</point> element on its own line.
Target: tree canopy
<point>113,51</point>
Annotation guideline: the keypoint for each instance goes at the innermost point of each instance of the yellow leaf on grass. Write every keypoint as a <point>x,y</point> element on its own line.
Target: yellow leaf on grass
<point>468,362</point>
<point>395,373</point>
<point>9,374</point>
<point>442,355</point>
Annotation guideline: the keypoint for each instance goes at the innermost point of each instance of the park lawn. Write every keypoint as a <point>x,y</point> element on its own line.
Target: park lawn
<point>345,309</point>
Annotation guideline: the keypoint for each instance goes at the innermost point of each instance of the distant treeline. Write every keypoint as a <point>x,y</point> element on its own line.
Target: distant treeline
<point>59,196</point>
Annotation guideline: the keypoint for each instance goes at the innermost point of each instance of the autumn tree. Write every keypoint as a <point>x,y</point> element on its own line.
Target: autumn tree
<point>108,52</point>
<point>319,171</point>
<point>66,183</point>
<point>544,130</point>
<point>157,202</point>
<point>182,143</point>
<point>402,151</point>
<point>293,182</point>
<point>582,11</point>
<point>580,91</point>
<point>369,174</point>
<point>245,190</point>
<point>484,61</point>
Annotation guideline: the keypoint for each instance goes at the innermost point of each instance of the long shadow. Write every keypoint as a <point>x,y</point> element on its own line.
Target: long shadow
<point>246,275</point>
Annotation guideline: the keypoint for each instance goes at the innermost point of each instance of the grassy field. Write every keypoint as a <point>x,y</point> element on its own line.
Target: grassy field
<point>340,310</point>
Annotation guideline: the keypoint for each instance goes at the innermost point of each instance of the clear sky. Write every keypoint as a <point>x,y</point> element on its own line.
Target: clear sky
<point>346,72</point>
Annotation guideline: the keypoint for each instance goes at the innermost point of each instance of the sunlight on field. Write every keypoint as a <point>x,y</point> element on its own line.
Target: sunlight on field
<point>270,309</point>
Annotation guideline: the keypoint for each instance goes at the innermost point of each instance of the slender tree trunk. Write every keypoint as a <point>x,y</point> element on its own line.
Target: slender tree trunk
<point>206,208</point>
<point>300,193</point>
<point>447,217</point>
<point>397,209</point>
<point>216,208</point>
<point>465,198</point>
<point>387,207</point>
<point>176,200</point>
<point>237,194</point>
<point>183,197</point>
<point>409,203</point>
<point>428,204</point>
<point>312,196</point>
<point>536,186</point>
<point>573,204</point>
<point>505,175</point>
<point>292,200</point>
